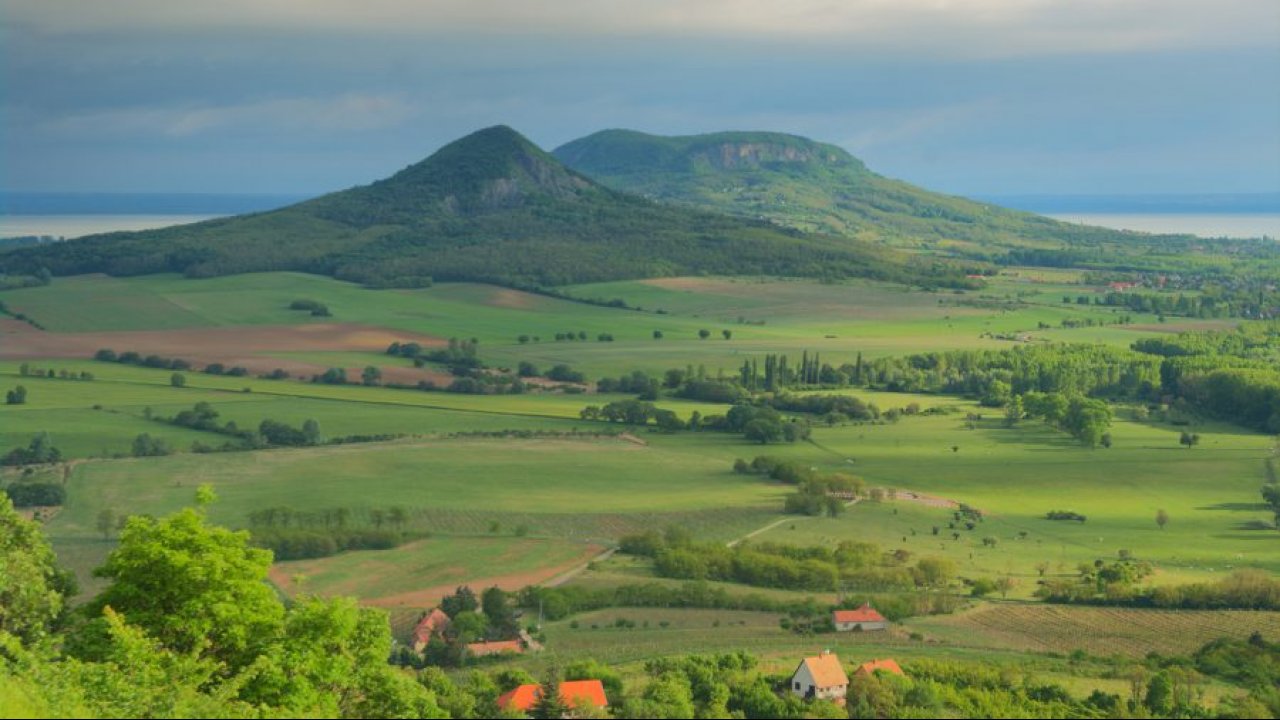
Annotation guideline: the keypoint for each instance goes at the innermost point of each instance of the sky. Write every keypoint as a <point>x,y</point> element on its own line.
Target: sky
<point>972,97</point>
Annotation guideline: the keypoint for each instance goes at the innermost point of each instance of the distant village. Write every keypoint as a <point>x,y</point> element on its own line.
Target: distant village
<point>820,677</point>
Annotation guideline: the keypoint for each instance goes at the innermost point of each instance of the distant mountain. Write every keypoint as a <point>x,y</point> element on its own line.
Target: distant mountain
<point>490,207</point>
<point>815,187</point>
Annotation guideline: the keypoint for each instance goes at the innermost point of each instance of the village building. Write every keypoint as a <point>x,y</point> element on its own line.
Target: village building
<point>432,624</point>
<point>870,668</point>
<point>579,695</point>
<point>863,618</point>
<point>820,678</point>
<point>496,647</point>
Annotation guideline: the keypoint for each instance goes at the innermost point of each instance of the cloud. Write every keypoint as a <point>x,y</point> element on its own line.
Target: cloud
<point>347,112</point>
<point>968,28</point>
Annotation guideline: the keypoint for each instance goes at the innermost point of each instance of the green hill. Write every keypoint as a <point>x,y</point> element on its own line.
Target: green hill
<point>817,187</point>
<point>489,207</point>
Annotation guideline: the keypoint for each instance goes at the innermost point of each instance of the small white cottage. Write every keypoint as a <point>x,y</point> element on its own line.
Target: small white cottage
<point>863,618</point>
<point>820,678</point>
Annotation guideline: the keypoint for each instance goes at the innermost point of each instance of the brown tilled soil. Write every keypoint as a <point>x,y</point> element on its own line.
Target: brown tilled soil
<point>511,299</point>
<point>246,346</point>
<point>929,500</point>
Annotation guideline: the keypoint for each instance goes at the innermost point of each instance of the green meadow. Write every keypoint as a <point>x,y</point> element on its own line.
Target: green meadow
<point>837,320</point>
<point>515,489</point>
<point>419,573</point>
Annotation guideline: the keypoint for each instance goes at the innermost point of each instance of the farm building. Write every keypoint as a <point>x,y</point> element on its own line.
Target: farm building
<point>496,647</point>
<point>863,618</point>
<point>431,624</point>
<point>820,677</point>
<point>577,694</point>
<point>870,668</point>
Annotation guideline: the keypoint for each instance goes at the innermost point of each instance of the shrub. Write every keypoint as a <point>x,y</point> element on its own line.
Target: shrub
<point>36,494</point>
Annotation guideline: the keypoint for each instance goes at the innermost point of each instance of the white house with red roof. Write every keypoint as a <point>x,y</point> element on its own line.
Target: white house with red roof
<point>820,678</point>
<point>863,618</point>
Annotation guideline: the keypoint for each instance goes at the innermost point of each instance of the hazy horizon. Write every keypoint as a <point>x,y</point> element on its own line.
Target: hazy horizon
<point>971,98</point>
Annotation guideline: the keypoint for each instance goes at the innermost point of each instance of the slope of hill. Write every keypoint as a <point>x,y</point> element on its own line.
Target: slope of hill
<point>489,207</point>
<point>816,187</point>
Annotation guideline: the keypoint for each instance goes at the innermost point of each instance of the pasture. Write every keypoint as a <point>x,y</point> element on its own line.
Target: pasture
<point>1016,475</point>
<point>515,489</point>
<point>418,574</point>
<point>763,316</point>
<point>1099,631</point>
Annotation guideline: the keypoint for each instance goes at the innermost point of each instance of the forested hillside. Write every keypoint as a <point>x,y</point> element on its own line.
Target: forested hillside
<point>490,207</point>
<point>799,183</point>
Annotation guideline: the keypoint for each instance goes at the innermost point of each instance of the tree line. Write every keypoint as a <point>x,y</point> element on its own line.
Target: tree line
<point>855,565</point>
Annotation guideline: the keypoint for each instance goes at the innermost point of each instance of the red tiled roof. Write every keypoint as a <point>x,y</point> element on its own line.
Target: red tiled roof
<point>580,693</point>
<point>888,665</point>
<point>522,698</point>
<point>574,693</point>
<point>866,613</point>
<point>434,622</point>
<point>481,649</point>
<point>826,670</point>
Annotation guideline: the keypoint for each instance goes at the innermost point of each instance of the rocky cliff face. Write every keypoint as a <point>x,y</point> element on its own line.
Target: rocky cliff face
<point>738,155</point>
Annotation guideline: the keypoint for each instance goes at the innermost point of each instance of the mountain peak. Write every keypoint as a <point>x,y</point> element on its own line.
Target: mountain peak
<point>488,170</point>
<point>614,152</point>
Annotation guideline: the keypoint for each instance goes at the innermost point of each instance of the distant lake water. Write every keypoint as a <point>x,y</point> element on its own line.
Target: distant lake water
<point>1204,225</point>
<point>73,226</point>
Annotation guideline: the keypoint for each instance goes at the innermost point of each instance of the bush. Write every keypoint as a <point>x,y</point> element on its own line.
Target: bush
<point>302,544</point>
<point>563,373</point>
<point>36,494</point>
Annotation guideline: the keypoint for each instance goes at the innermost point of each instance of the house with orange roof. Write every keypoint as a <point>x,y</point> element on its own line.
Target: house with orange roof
<point>496,647</point>
<point>432,624</point>
<point>577,694</point>
<point>821,678</point>
<point>863,618</point>
<point>887,665</point>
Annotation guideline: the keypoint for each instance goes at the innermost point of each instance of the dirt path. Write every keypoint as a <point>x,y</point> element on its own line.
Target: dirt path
<point>570,574</point>
<point>776,523</point>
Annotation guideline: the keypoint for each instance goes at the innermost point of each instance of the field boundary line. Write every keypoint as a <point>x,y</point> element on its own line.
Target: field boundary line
<point>571,573</point>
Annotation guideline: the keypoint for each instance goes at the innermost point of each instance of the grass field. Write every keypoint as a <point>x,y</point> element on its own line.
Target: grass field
<point>1097,631</point>
<point>1017,475</point>
<point>512,511</point>
<point>418,574</point>
<point>602,488</point>
<point>575,489</point>
<point>837,320</point>
<point>66,408</point>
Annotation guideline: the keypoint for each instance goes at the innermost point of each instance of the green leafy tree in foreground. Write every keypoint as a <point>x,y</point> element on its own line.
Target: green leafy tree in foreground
<point>194,588</point>
<point>189,628</point>
<point>32,587</point>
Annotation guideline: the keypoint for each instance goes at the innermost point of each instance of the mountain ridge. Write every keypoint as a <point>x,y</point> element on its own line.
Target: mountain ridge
<point>488,207</point>
<point>796,182</point>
